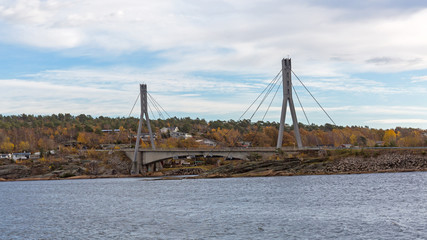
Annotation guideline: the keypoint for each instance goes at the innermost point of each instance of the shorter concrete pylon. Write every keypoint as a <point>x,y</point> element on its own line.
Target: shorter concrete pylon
<point>136,162</point>
<point>287,97</point>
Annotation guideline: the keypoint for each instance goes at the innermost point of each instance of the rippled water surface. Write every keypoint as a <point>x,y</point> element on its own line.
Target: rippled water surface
<point>366,206</point>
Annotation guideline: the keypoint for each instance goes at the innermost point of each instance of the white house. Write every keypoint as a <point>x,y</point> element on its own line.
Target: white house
<point>20,156</point>
<point>146,136</point>
<point>5,156</point>
<point>169,129</point>
<point>180,135</point>
<point>207,142</point>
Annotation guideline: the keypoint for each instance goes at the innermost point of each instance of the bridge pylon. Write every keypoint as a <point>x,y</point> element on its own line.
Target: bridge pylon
<point>287,97</point>
<point>136,162</point>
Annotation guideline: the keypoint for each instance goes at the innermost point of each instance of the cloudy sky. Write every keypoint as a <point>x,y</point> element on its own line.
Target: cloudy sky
<point>364,61</point>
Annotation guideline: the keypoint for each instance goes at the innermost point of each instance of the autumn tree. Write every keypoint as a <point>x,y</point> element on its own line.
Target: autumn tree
<point>413,139</point>
<point>258,139</point>
<point>389,138</point>
<point>24,146</point>
<point>228,137</point>
<point>187,143</point>
<point>6,146</point>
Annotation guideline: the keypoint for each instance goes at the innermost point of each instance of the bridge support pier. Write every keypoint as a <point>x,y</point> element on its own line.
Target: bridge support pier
<point>154,167</point>
<point>287,97</point>
<point>136,169</point>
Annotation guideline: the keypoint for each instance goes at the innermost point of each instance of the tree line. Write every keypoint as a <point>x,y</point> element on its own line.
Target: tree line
<point>38,133</point>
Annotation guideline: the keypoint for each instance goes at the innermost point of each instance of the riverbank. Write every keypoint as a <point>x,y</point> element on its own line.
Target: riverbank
<point>334,162</point>
<point>329,162</point>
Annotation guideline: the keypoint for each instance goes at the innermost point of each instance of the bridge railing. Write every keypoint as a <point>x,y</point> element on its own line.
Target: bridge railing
<point>230,149</point>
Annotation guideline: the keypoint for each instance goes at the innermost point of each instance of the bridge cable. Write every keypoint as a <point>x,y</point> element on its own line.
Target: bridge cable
<point>271,102</point>
<point>265,114</point>
<point>295,91</point>
<point>159,112</point>
<point>274,80</point>
<point>159,105</point>
<point>313,97</point>
<point>270,88</point>
<point>262,101</point>
<point>265,97</point>
<point>149,107</point>
<point>136,100</point>
<point>301,105</point>
<point>155,107</point>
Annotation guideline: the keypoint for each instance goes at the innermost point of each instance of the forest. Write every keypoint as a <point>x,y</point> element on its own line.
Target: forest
<point>32,133</point>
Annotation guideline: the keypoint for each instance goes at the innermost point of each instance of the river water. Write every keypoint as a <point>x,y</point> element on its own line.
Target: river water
<point>365,206</point>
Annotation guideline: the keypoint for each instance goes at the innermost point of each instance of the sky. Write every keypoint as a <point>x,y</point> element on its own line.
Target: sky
<point>364,61</point>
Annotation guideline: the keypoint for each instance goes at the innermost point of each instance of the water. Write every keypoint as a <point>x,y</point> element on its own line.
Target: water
<point>366,206</point>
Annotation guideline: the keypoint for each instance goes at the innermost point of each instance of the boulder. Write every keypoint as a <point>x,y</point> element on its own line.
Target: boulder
<point>14,171</point>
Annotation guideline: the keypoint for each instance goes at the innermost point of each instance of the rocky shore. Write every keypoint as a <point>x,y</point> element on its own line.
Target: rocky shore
<point>345,163</point>
<point>101,165</point>
<point>332,162</point>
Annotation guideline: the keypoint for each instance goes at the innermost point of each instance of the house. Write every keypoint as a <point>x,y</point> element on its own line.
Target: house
<point>21,156</point>
<point>206,142</point>
<point>347,145</point>
<point>5,156</point>
<point>379,143</point>
<point>165,130</point>
<point>146,136</point>
<point>180,135</point>
<point>110,130</point>
<point>187,136</point>
<point>36,155</point>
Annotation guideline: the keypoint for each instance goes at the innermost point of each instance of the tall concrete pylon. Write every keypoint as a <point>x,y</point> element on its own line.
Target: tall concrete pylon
<point>136,163</point>
<point>287,97</point>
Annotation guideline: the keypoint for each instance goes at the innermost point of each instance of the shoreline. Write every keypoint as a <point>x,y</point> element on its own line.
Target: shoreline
<point>268,174</point>
<point>329,163</point>
<point>180,177</point>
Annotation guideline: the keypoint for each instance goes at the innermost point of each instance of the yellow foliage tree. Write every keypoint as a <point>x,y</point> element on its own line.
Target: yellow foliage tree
<point>6,146</point>
<point>24,146</point>
<point>271,133</point>
<point>143,144</point>
<point>389,137</point>
<point>187,143</point>
<point>226,136</point>
<point>353,139</point>
<point>83,138</point>
<point>338,137</point>
<point>414,139</point>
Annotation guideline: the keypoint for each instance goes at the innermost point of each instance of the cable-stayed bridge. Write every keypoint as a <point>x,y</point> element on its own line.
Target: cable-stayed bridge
<point>152,159</point>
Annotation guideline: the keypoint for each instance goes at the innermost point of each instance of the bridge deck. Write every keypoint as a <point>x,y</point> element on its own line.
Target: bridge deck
<point>154,156</point>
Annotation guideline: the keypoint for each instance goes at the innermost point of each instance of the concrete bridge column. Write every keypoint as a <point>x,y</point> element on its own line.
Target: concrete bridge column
<point>136,165</point>
<point>158,166</point>
<point>150,167</point>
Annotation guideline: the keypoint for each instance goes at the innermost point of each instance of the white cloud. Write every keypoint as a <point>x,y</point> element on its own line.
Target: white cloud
<point>254,34</point>
<point>346,84</point>
<point>398,121</point>
<point>418,79</point>
<point>127,79</point>
<point>113,91</point>
<point>412,111</point>
<point>46,98</point>
<point>235,38</point>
